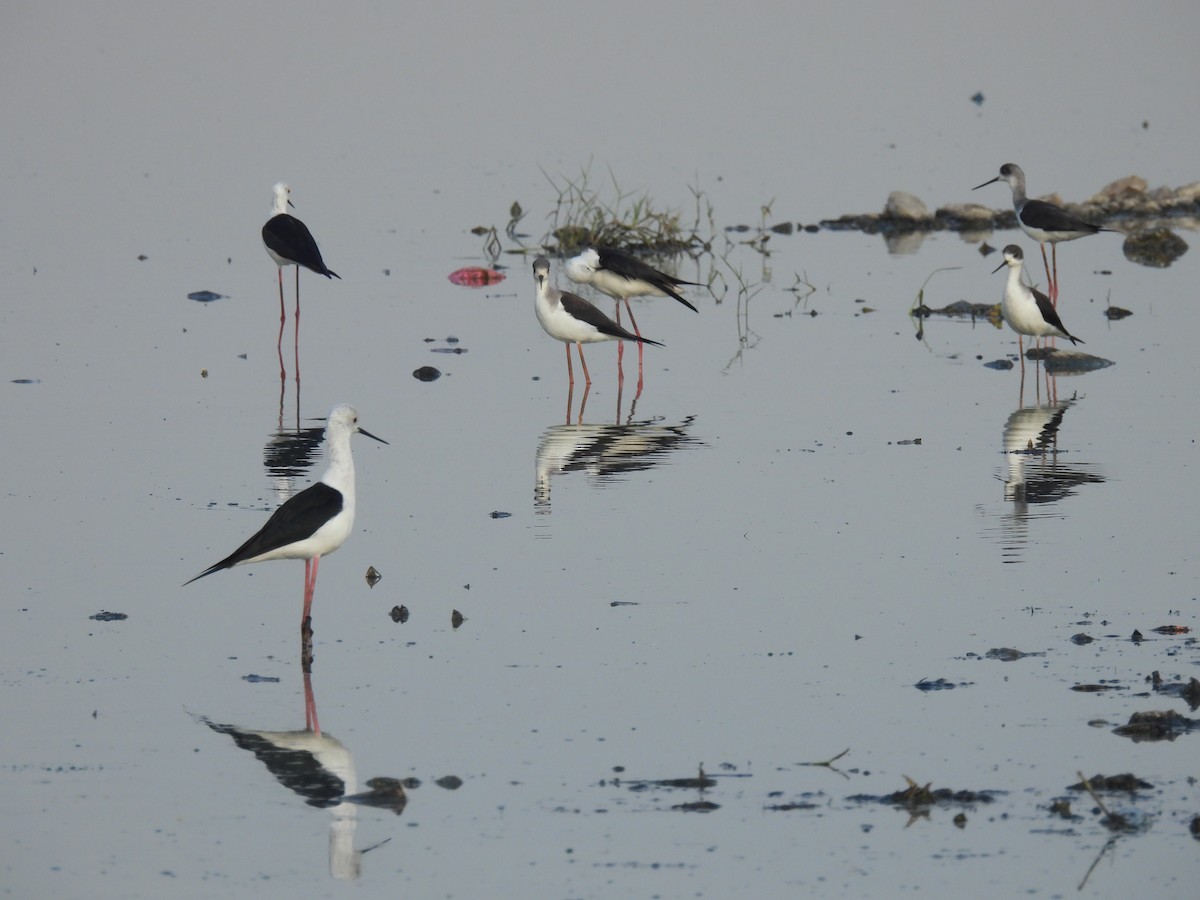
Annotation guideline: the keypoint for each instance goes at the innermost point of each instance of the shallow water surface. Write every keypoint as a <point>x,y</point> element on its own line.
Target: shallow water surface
<point>816,504</point>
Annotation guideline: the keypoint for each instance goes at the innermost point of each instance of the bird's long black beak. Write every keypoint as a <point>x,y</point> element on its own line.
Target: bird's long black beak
<point>372,436</point>
<point>986,183</point>
<point>290,203</point>
<point>999,267</point>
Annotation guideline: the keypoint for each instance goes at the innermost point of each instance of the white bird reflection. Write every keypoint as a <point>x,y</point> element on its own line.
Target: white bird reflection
<point>320,769</point>
<point>606,452</point>
<point>1037,475</point>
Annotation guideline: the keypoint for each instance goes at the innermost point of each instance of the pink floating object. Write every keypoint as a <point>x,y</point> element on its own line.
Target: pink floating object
<point>474,276</point>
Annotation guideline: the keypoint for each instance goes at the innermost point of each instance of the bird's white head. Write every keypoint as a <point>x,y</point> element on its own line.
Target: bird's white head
<point>282,200</point>
<point>584,266</point>
<point>1013,257</point>
<point>343,416</point>
<point>343,419</point>
<point>541,270</point>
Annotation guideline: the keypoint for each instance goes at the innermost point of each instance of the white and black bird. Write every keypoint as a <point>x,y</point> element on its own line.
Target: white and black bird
<point>1027,310</point>
<point>316,521</point>
<point>621,275</point>
<point>571,319</point>
<point>290,243</point>
<point>1045,222</point>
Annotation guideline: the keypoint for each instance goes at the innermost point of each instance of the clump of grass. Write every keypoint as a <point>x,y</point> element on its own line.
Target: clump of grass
<point>584,216</point>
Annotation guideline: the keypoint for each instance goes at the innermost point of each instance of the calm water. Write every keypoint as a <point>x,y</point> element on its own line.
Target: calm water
<point>748,567</point>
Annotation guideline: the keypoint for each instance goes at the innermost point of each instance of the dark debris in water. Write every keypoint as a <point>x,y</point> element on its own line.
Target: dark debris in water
<point>794,805</point>
<point>373,576</point>
<point>699,782</point>
<point>399,614</point>
<point>260,679</point>
<point>703,806</point>
<point>922,796</point>
<point>961,309</point>
<point>1126,783</point>
<point>1172,629</point>
<point>1115,313</point>
<point>940,684</point>
<point>106,616</point>
<point>1156,725</point>
<point>206,296</point>
<point>1008,654</point>
<point>427,373</point>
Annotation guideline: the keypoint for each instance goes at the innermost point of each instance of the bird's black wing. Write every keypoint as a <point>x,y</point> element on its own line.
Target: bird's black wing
<point>586,312</point>
<point>1049,217</point>
<point>1050,315</point>
<point>297,519</point>
<point>630,267</point>
<point>290,238</point>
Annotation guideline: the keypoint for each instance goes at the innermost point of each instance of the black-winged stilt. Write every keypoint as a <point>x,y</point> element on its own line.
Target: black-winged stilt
<point>290,243</point>
<point>1042,221</point>
<point>571,319</point>
<point>316,521</point>
<point>1025,309</point>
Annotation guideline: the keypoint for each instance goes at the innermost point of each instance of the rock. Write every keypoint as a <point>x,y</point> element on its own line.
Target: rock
<point>901,205</point>
<point>1118,190</point>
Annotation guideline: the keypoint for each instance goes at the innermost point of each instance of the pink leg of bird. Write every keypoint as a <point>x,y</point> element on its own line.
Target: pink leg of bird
<point>570,371</point>
<point>641,346</point>
<point>1050,288</point>
<point>587,377</point>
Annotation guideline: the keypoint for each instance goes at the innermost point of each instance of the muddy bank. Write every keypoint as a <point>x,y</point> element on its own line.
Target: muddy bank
<point>1127,204</point>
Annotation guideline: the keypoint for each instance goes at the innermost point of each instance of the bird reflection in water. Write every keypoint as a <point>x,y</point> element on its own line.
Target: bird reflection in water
<point>319,769</point>
<point>607,453</point>
<point>1037,476</point>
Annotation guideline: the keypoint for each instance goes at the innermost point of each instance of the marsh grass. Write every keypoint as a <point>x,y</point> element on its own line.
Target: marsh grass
<point>585,215</point>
